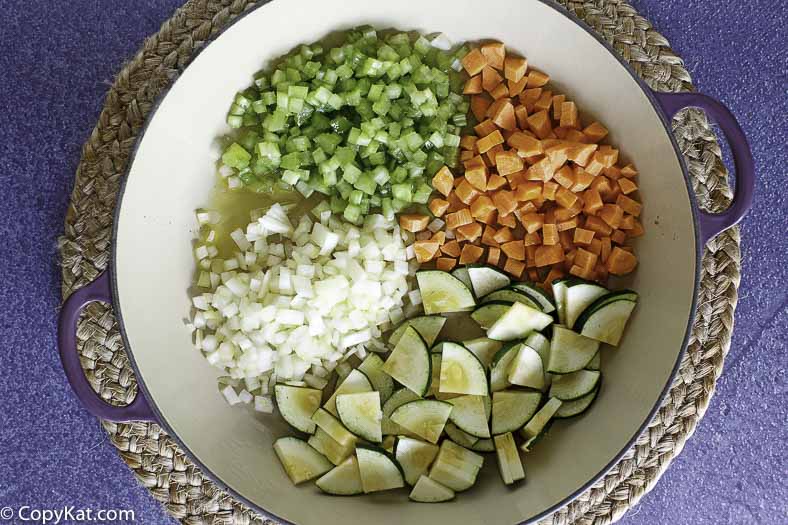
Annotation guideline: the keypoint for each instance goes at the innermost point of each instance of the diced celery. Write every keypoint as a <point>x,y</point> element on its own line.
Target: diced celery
<point>236,156</point>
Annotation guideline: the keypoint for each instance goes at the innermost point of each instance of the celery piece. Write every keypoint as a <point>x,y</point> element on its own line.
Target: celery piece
<point>236,156</point>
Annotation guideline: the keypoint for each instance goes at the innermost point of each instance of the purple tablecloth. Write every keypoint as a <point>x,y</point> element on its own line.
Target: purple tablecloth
<point>57,61</point>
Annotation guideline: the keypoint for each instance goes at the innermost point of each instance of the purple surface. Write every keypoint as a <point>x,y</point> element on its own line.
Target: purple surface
<point>57,65</point>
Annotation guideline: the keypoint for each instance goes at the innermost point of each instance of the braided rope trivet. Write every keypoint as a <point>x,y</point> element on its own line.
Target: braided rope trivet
<point>156,460</point>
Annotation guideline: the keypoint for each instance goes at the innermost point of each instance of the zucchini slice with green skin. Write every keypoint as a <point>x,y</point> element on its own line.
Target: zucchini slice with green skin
<point>378,469</point>
<point>388,444</point>
<point>372,366</point>
<point>538,423</point>
<point>527,369</point>
<point>459,436</point>
<point>361,414</point>
<point>397,399</point>
<point>596,362</point>
<point>456,467</point>
<point>606,318</point>
<point>428,326</point>
<point>356,382</point>
<point>483,348</point>
<point>578,296</point>
<point>518,322</point>
<point>333,427</point>
<point>568,387</point>
<point>441,292</point>
<point>486,315</point>
<point>499,368</point>
<point>559,294</point>
<point>427,490</point>
<point>334,451</point>
<point>541,344</point>
<point>414,456</point>
<point>297,404</point>
<point>342,480</point>
<point>462,274</point>
<point>512,409</point>
<point>510,296</point>
<point>509,463</point>
<point>486,279</point>
<point>300,461</point>
<point>410,362</point>
<point>424,417</point>
<point>470,415</point>
<point>537,294</point>
<point>461,371</point>
<point>577,406</point>
<point>435,382</point>
<point>484,445</point>
<point>570,351</point>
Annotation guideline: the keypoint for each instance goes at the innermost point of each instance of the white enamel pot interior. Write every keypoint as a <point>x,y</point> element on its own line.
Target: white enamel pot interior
<point>173,172</point>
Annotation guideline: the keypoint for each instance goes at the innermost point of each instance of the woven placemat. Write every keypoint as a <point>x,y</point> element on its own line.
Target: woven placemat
<point>155,458</point>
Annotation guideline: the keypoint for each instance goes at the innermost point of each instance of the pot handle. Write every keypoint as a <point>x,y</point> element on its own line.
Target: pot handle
<point>98,290</point>
<point>712,224</point>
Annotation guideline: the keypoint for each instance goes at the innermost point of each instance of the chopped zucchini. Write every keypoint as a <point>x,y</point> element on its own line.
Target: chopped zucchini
<point>596,362</point>
<point>410,362</point>
<point>470,415</point>
<point>483,348</point>
<point>499,368</point>
<point>397,399</point>
<point>356,382</point>
<point>372,366</point>
<point>428,326</point>
<point>378,469</point>
<point>456,467</point>
<point>512,409</point>
<point>300,461</point>
<point>526,369</point>
<point>461,371</point>
<point>537,294</point>
<point>541,344</point>
<point>435,382</point>
<point>388,444</point>
<point>463,275</point>
<point>414,456</point>
<point>484,445</point>
<point>510,296</point>
<point>333,427</point>
<point>578,295</point>
<point>361,414</point>
<point>486,315</point>
<point>486,279</point>
<point>441,292</point>
<point>427,490</point>
<point>509,463</point>
<point>517,322</point>
<point>568,387</point>
<point>537,424</point>
<point>577,406</point>
<point>329,447</point>
<point>342,480</point>
<point>605,319</point>
<point>424,417</point>
<point>297,404</point>
<point>569,351</point>
<point>559,294</point>
<point>459,436</point>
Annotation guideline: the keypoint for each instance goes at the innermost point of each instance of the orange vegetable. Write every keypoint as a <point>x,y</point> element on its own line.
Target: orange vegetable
<point>470,253</point>
<point>503,117</point>
<point>627,186</point>
<point>594,166</point>
<point>620,262</point>
<point>542,170</point>
<point>595,246</point>
<point>597,225</point>
<point>425,250</point>
<point>490,79</point>
<point>583,236</point>
<point>549,190</point>
<point>503,235</point>
<point>469,232</point>
<point>521,112</point>
<point>492,153</point>
<point>451,248</point>
<point>455,203</point>
<point>544,101</point>
<point>530,256</point>
<point>595,132</point>
<point>515,88</point>
<point>581,272</point>
<point>488,141</point>
<point>549,234</point>
<point>468,142</point>
<point>495,181</point>
<point>568,224</point>
<point>439,237</point>
<point>540,124</point>
<point>629,171</point>
<point>526,145</point>
<point>569,116</point>
<point>565,198</point>
<point>607,155</point>
<point>533,222</point>
<point>529,96</point>
<point>514,268</point>
<point>507,220</point>
<point>606,246</point>
<point>636,230</point>
<point>413,222</point>
<point>499,92</point>
<point>565,177</point>
<point>585,259</point>
<point>493,255</point>
<point>443,181</point>
<point>532,239</point>
<point>488,237</point>
<point>438,206</point>
<point>580,153</point>
<point>628,222</point>
<point>593,202</point>
<point>484,127</point>
<point>445,263</point>
<point>494,52</point>
<point>612,172</point>
<point>474,62</point>
<point>473,86</point>
<point>465,192</point>
<point>504,201</point>
<point>630,206</point>
<point>618,237</point>
<point>583,179</point>
<point>537,78</point>
<point>557,101</point>
<point>424,236</point>
<point>528,190</point>
<point>459,218</point>
<point>514,250</point>
<point>611,214</point>
<point>553,274</point>
<point>547,255</point>
<point>481,206</point>
<point>514,68</point>
<point>508,162</point>
<point>479,105</point>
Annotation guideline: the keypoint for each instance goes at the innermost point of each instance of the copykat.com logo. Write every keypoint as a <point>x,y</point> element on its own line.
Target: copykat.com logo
<point>65,515</point>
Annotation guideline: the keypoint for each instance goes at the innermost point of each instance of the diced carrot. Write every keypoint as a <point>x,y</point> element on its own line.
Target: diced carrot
<point>526,145</point>
<point>564,214</point>
<point>530,256</point>
<point>594,166</point>
<point>569,116</point>
<point>532,239</point>
<point>630,206</point>
<point>557,101</point>
<point>451,248</point>
<point>489,217</point>
<point>439,237</point>
<point>602,185</point>
<point>515,88</point>
<point>636,230</point>
<point>514,68</point>
<point>549,190</point>
<point>618,237</point>
<point>503,235</point>
<point>612,196</point>
<point>573,135</point>
<point>494,107</point>
<point>504,116</point>
<point>494,52</point>
<point>484,128</point>
<point>529,96</point>
<point>585,259</point>
<point>521,113</point>
<point>560,132</point>
<point>628,222</point>
<point>504,202</point>
<point>528,190</point>
<point>525,209</point>
<point>620,262</point>
<point>476,161</point>
<point>553,274</point>
<point>477,177</point>
<point>514,268</point>
<point>488,237</point>
<point>595,246</point>
<point>470,253</point>
<point>413,222</point>
<point>466,192</point>
<point>424,235</point>
<point>546,255</point>
<point>537,78</point>
<point>479,105</point>
<point>455,204</point>
<point>533,222</point>
<point>627,186</point>
<point>425,250</point>
<point>474,62</point>
<point>443,181</point>
<point>459,218</point>
<point>581,272</point>
<point>491,154</point>
<point>607,155</point>
<point>541,171</point>
<point>558,154</point>
<point>568,224</point>
<point>500,92</point>
<point>611,214</point>
<point>495,181</point>
<point>593,202</point>
<point>565,177</point>
<point>481,206</point>
<point>583,236</point>
<point>468,142</point>
<point>569,258</point>
<point>606,247</point>
<point>544,102</point>
<point>473,86</point>
<point>549,234</point>
<point>488,141</point>
<point>507,220</point>
<point>490,79</point>
<point>540,124</point>
<point>595,132</point>
<point>514,250</point>
<point>597,225</point>
<point>580,153</point>
<point>516,179</point>
<point>466,154</point>
<point>565,198</point>
<point>629,171</point>
<point>582,179</point>
<point>469,232</point>
<point>612,172</point>
<point>493,255</point>
<point>508,162</point>
<point>445,263</point>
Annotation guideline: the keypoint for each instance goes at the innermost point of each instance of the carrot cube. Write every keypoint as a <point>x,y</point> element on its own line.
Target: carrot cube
<point>573,135</point>
<point>628,222</point>
<point>541,171</point>
<point>582,178</point>
<point>424,236</point>
<point>544,101</point>
<point>514,250</point>
<point>595,246</point>
<point>439,237</point>
<point>493,255</point>
<point>492,153</point>
<point>595,132</point>
<point>514,268</point>
<point>606,248</point>
<point>565,198</point>
<point>607,155</point>
<point>540,124</point>
<point>514,68</point>
<point>581,272</point>
<point>549,234</point>
<point>568,224</point>
<point>470,254</point>
<point>477,177</point>
<point>555,273</point>
<point>495,181</point>
<point>504,202</point>
<point>528,190</point>
<point>508,162</point>
<point>546,255</point>
<point>507,220</point>
<point>445,263</point>
<point>557,101</point>
<point>484,127</point>
<point>611,214</point>
<point>585,259</point>
<point>629,171</point>
<point>583,236</point>
<point>459,218</point>
<point>594,166</point>
<point>490,79</point>
<point>627,186</point>
<point>455,203</point>
<point>473,86</point>
<point>503,235</point>
<point>425,250</point>
<point>529,96</point>
<point>532,222</point>
<point>537,79</point>
<point>468,142</point>
<point>630,206</point>
<point>549,190</point>
<point>474,62</point>
<point>481,206</point>
<point>530,256</point>
<point>413,222</point>
<point>526,145</point>
<point>487,142</point>
<point>501,92</point>
<point>565,177</point>
<point>488,237</point>
<point>620,262</point>
<point>479,105</point>
<point>618,237</point>
<point>569,116</point>
<point>603,185</point>
<point>612,172</point>
<point>443,181</point>
<point>504,116</point>
<point>515,88</point>
<point>597,225</point>
<point>636,230</point>
<point>466,192</point>
<point>569,258</point>
<point>451,248</point>
<point>469,232</point>
<point>489,217</point>
<point>532,239</point>
<point>494,52</point>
